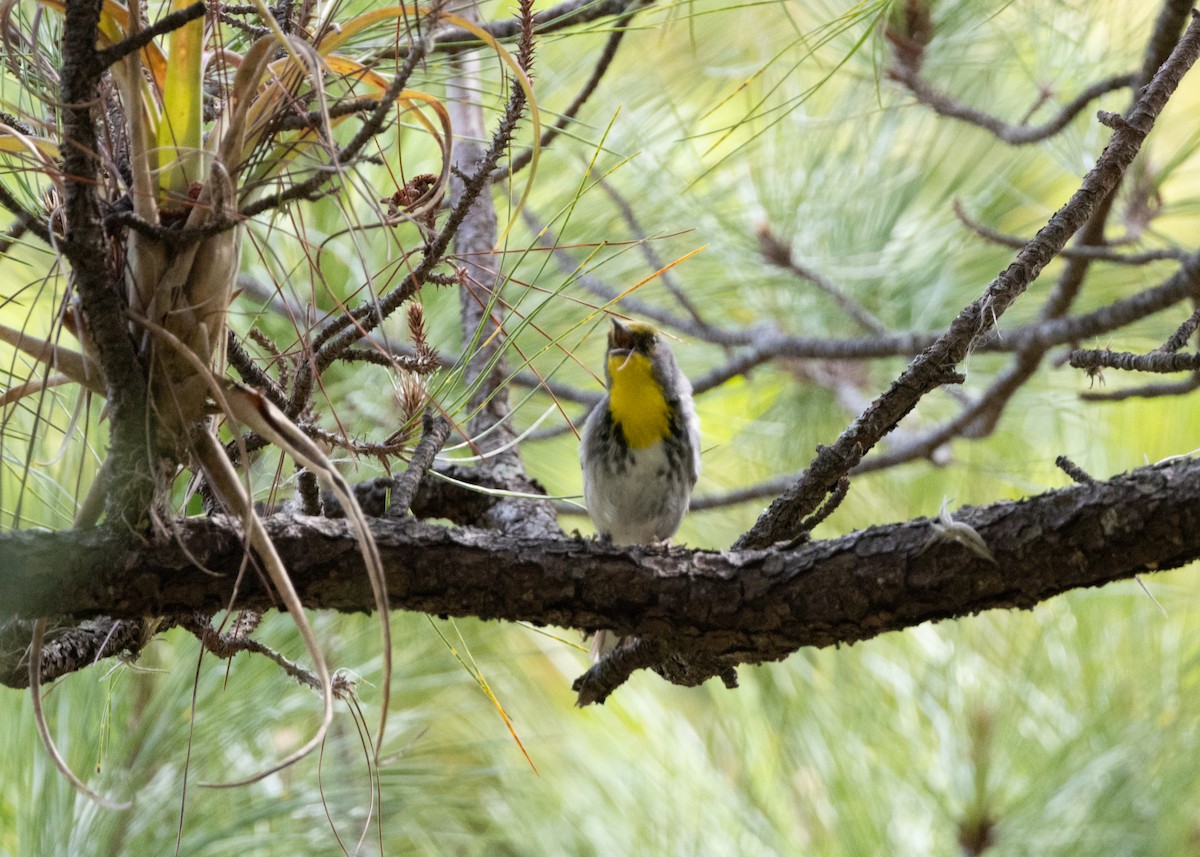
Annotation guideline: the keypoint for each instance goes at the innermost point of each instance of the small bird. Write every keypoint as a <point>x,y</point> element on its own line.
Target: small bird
<point>640,450</point>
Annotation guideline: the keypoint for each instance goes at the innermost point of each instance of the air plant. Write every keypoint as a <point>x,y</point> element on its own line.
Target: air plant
<point>198,136</point>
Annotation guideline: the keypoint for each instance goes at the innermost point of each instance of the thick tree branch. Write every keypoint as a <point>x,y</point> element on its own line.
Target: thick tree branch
<point>721,607</point>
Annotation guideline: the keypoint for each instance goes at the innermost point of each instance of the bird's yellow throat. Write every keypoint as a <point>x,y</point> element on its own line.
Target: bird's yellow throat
<point>637,401</point>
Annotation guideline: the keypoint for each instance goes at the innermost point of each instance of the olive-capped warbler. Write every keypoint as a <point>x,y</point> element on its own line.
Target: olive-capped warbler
<point>640,450</point>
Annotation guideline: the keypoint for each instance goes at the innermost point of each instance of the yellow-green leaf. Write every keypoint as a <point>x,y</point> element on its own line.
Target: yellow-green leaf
<point>179,132</point>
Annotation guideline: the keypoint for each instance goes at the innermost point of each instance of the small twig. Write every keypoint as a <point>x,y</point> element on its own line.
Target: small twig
<point>408,362</point>
<point>254,31</point>
<point>1180,337</point>
<point>72,649</point>
<point>13,234</point>
<point>656,261</point>
<point>557,389</point>
<point>268,345</point>
<point>226,646</point>
<point>615,668</point>
<point>316,119</point>
<point>166,24</point>
<point>172,237</point>
<point>976,419</point>
<point>725,337</point>
<point>433,437</point>
<point>770,488</point>
<point>1184,283</point>
<point>565,118</point>
<point>251,372</point>
<point>17,124</point>
<point>1089,252</point>
<point>126,217</point>
<point>1155,361</point>
<point>308,492</point>
<point>1015,135</point>
<point>24,218</point>
<point>376,450</point>
<point>835,498</point>
<point>1077,473</point>
<point>776,252</point>
<point>1147,391</point>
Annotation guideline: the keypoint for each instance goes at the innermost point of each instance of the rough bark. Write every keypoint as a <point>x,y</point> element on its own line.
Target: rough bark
<point>86,247</point>
<point>726,607</point>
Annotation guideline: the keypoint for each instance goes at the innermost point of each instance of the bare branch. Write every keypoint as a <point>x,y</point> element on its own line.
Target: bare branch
<point>251,372</point>
<point>770,488</point>
<point>1014,135</point>
<point>1147,391</point>
<point>1152,362</point>
<point>927,372</point>
<point>776,252</point>
<point>1091,253</point>
<point>165,24</point>
<point>1180,337</point>
<point>656,262</point>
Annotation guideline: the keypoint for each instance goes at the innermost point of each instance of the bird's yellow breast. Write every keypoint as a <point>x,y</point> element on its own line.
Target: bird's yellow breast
<point>637,402</point>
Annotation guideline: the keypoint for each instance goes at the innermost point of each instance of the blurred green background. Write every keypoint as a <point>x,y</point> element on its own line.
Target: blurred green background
<point>1064,730</point>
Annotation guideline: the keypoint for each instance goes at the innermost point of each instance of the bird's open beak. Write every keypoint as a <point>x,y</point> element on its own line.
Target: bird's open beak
<point>620,339</point>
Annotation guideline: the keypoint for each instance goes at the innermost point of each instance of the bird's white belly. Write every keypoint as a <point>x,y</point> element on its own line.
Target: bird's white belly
<point>636,505</point>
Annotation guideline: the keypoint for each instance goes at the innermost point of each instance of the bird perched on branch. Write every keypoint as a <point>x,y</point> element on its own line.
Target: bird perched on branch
<point>640,449</point>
